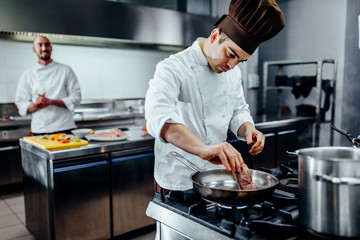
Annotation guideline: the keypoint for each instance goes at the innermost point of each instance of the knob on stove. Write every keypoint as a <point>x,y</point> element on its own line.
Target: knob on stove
<point>227,226</point>
<point>289,185</point>
<point>242,232</point>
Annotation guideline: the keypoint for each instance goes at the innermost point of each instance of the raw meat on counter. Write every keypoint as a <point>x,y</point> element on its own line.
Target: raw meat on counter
<point>113,133</point>
<point>244,178</point>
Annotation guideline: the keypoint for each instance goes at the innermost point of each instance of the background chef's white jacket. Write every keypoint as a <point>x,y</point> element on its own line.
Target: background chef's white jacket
<point>57,81</point>
<point>185,90</point>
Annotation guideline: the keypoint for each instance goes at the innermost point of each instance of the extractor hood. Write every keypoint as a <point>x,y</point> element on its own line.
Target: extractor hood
<point>99,21</point>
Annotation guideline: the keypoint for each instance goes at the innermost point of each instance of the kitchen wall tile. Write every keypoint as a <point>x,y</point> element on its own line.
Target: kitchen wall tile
<point>3,93</point>
<point>102,73</point>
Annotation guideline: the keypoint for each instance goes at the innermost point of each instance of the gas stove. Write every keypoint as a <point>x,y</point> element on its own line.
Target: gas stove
<point>185,215</point>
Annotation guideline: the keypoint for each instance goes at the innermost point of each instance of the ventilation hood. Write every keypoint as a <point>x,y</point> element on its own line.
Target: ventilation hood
<point>97,22</point>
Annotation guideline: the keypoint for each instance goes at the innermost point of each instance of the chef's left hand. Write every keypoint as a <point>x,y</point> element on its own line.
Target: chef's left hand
<point>256,138</point>
<point>252,136</point>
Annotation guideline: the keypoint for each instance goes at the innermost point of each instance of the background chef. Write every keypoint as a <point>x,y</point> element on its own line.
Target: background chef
<point>196,95</point>
<point>48,91</point>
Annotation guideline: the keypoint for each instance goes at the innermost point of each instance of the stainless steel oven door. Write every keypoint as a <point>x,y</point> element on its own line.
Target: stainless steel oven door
<point>164,232</point>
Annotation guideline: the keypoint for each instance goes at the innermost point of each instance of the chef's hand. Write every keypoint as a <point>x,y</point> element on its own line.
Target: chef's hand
<point>42,101</point>
<point>254,137</point>
<point>223,153</point>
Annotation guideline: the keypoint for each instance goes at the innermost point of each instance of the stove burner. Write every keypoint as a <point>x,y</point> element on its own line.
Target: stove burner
<point>289,184</point>
<point>231,207</point>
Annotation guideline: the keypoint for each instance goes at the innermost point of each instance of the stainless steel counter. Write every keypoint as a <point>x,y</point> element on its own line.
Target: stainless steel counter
<point>138,140</point>
<point>272,121</point>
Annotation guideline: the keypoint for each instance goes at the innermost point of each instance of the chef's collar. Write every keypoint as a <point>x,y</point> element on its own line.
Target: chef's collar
<point>200,57</point>
<point>40,66</point>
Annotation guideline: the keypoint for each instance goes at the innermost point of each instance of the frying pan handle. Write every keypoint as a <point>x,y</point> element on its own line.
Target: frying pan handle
<point>343,132</point>
<point>184,161</point>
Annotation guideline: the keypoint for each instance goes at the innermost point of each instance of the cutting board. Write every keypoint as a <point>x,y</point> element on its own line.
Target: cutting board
<point>49,144</point>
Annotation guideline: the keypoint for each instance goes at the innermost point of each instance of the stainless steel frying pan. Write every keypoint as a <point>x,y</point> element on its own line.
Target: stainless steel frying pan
<point>219,186</point>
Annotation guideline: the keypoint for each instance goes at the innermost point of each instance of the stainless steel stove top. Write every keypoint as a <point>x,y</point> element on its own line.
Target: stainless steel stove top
<point>184,215</point>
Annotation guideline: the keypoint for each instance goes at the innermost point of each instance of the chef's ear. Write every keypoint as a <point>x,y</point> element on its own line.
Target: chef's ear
<point>214,34</point>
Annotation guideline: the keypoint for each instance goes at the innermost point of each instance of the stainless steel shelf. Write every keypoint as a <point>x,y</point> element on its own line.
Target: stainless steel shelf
<point>318,64</point>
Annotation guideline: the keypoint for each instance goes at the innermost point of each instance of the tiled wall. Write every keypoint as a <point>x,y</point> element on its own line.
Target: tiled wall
<point>103,73</point>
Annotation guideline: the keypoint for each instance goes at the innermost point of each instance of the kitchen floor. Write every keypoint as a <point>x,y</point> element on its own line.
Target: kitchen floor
<point>12,219</point>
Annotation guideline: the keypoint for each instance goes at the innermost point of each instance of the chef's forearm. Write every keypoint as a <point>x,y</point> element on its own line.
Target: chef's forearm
<point>57,102</point>
<point>32,108</point>
<point>244,127</point>
<point>178,135</point>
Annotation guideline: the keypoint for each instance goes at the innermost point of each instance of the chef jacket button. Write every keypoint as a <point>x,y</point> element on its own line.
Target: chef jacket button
<point>223,116</point>
<point>224,91</point>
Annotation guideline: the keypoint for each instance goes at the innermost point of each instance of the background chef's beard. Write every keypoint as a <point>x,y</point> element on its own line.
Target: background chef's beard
<point>45,58</point>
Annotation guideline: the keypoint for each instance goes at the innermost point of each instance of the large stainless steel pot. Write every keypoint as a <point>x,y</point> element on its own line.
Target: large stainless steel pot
<point>219,186</point>
<point>329,187</point>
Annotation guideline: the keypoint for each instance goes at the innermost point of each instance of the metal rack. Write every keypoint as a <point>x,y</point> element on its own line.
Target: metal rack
<point>319,65</point>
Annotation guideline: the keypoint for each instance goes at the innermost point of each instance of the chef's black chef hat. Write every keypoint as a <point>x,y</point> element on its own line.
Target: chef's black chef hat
<point>251,22</point>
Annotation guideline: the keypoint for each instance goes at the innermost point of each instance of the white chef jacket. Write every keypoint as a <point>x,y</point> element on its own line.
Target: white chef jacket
<point>57,81</point>
<point>186,90</point>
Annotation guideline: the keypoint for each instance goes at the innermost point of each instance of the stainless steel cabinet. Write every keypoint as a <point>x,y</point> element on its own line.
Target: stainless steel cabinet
<point>10,164</point>
<point>81,198</point>
<point>68,198</point>
<point>132,190</point>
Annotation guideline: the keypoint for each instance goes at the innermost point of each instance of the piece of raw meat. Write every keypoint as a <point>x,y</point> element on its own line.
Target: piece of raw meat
<point>113,133</point>
<point>244,178</point>
<point>117,132</point>
<point>105,135</point>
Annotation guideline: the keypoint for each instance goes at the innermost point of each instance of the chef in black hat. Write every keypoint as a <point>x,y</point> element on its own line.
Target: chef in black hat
<point>196,95</point>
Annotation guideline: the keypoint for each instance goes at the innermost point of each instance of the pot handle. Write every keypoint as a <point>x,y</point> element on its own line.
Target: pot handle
<point>292,154</point>
<point>338,180</point>
<point>184,161</point>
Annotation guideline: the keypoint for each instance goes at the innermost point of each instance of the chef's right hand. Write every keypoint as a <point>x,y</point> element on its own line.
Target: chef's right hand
<point>223,153</point>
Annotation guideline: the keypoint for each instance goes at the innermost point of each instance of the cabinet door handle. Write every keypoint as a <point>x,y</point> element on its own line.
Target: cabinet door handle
<point>80,166</point>
<point>287,132</point>
<point>132,157</point>
<point>269,134</point>
<point>9,148</point>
